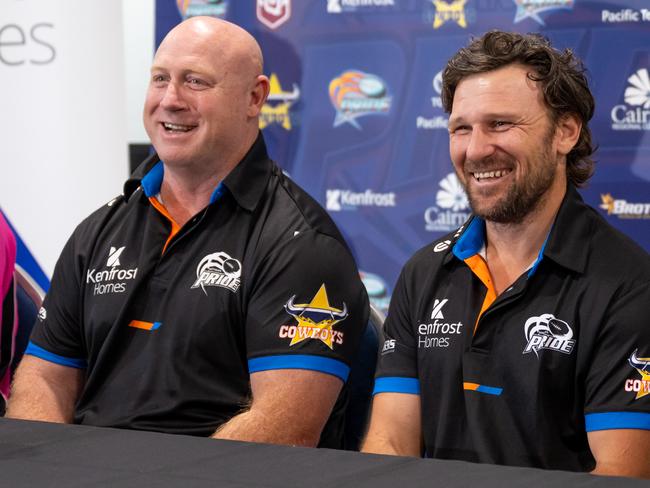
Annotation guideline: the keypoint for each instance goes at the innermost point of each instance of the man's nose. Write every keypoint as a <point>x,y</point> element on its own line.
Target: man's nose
<point>481,145</point>
<point>173,98</point>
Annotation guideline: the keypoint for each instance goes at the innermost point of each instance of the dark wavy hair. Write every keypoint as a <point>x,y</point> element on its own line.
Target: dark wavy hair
<point>560,74</point>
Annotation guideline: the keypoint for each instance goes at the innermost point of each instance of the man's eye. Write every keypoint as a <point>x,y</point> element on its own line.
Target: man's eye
<point>501,124</point>
<point>461,129</point>
<point>195,82</point>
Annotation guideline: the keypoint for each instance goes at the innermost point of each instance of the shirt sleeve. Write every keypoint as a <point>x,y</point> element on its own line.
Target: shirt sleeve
<point>617,392</point>
<point>397,366</point>
<point>57,335</point>
<point>308,308</point>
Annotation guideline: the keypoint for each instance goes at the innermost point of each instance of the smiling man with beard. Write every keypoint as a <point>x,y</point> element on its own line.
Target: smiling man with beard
<point>521,338</point>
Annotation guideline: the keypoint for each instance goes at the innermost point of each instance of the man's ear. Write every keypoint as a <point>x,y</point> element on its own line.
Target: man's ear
<point>567,132</point>
<point>258,95</point>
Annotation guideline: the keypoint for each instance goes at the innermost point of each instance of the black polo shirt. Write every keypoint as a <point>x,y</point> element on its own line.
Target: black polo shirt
<point>563,351</point>
<point>170,322</point>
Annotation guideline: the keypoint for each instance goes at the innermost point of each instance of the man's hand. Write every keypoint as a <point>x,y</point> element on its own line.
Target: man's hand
<point>289,406</point>
<point>44,391</point>
<point>621,452</point>
<point>395,425</point>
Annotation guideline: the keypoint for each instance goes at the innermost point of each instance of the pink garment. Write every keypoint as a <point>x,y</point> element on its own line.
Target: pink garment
<point>7,263</point>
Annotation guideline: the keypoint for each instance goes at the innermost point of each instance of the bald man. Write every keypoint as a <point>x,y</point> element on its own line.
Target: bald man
<point>213,297</point>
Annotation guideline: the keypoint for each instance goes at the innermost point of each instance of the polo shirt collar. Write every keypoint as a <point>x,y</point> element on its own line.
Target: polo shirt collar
<point>246,181</point>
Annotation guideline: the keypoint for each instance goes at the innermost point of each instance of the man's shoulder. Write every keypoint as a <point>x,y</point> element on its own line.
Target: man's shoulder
<point>431,257</point>
<point>97,220</point>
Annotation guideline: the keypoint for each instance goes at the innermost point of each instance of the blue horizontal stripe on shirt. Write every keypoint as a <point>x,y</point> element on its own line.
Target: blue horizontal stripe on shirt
<point>617,420</point>
<point>300,361</point>
<point>394,384</point>
<point>490,390</point>
<point>39,352</point>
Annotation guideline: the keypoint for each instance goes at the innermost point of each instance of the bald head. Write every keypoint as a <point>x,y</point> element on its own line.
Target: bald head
<point>206,93</point>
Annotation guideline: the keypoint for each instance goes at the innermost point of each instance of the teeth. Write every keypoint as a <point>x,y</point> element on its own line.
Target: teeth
<point>491,174</point>
<point>182,128</point>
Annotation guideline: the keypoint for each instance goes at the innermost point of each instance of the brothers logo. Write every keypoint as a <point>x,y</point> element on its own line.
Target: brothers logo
<point>276,108</point>
<point>218,269</point>
<point>273,13</point>
<point>624,209</point>
<point>640,386</point>
<point>451,209</point>
<point>634,114</point>
<point>315,320</point>
<point>194,8</point>
<point>338,200</point>
<point>532,8</point>
<point>547,332</point>
<point>356,94</point>
<point>113,280</point>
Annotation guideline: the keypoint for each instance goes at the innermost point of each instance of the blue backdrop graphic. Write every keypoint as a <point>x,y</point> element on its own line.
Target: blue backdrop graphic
<point>355,115</point>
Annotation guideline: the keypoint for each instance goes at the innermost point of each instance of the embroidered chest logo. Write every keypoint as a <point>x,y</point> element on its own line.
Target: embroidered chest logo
<point>438,332</point>
<point>112,279</point>
<point>218,269</point>
<point>547,332</point>
<point>315,320</point>
<point>640,386</point>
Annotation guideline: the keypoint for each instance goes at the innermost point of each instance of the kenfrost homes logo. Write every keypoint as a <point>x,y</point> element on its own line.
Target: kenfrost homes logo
<point>532,8</point>
<point>113,280</point>
<point>438,121</point>
<point>218,269</point>
<point>438,333</point>
<point>338,200</point>
<point>634,114</point>
<point>624,209</point>
<point>451,209</point>
<point>640,386</point>
<point>273,13</point>
<point>356,94</point>
<point>315,320</point>
<point>547,332</point>
<point>340,6</point>
<point>276,108</point>
<point>194,8</point>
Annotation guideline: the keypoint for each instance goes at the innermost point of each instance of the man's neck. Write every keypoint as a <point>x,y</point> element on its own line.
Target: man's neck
<point>512,248</point>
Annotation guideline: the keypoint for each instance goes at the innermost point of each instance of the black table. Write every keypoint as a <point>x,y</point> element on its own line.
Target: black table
<point>35,454</point>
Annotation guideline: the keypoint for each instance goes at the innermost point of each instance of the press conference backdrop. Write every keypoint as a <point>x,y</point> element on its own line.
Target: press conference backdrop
<point>355,115</point>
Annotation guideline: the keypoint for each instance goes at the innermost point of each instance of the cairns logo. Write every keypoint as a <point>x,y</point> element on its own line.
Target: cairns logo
<point>315,320</point>
<point>634,114</point>
<point>273,13</point>
<point>451,209</point>
<point>356,94</point>
<point>532,8</point>
<point>624,209</point>
<point>218,269</point>
<point>640,386</point>
<point>547,332</point>
<point>276,108</point>
<point>194,8</point>
<point>438,121</point>
<point>113,280</point>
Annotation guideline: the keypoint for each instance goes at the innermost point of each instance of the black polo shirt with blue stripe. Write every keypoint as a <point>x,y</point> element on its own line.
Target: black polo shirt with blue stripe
<point>520,378</point>
<point>168,322</point>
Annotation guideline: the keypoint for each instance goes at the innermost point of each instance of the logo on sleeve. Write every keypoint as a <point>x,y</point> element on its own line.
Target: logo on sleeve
<point>547,332</point>
<point>640,386</point>
<point>389,346</point>
<point>218,269</point>
<point>315,320</point>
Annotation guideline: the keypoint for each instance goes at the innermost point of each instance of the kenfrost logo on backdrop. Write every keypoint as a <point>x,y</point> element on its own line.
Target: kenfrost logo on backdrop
<point>532,8</point>
<point>438,333</point>
<point>218,269</point>
<point>451,209</point>
<point>113,280</point>
<point>194,8</point>
<point>337,200</point>
<point>341,6</point>
<point>547,332</point>
<point>624,209</point>
<point>438,121</point>
<point>634,114</point>
<point>356,94</point>
<point>278,103</point>
<point>273,13</point>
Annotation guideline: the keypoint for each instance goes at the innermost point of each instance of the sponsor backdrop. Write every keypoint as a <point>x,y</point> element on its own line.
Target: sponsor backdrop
<point>355,115</point>
<point>63,122</point>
